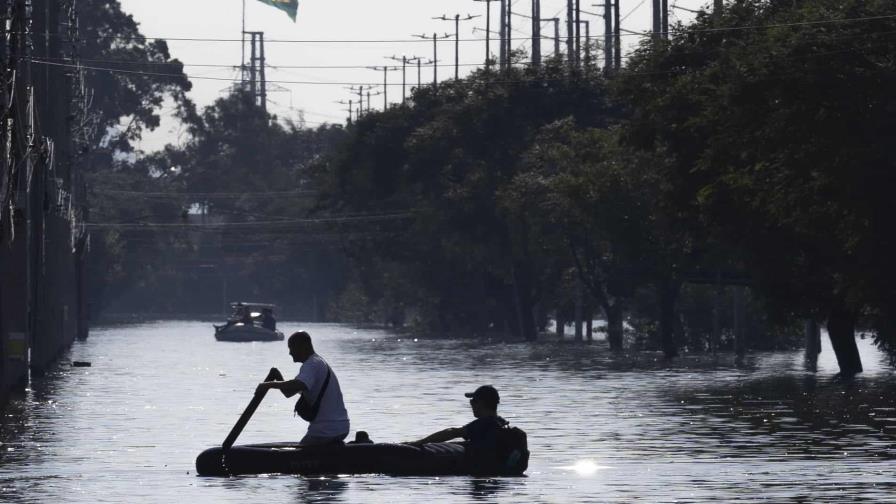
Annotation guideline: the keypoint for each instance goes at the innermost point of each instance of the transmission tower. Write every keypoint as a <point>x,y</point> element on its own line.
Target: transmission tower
<point>254,73</point>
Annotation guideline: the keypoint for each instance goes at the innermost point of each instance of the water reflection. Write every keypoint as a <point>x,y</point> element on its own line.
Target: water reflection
<point>485,488</point>
<point>584,468</point>
<point>322,490</point>
<point>820,418</point>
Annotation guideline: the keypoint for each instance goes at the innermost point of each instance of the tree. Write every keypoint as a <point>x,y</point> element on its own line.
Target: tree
<point>780,134</point>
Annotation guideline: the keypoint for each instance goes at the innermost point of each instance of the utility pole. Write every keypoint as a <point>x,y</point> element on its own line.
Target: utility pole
<point>404,64</point>
<point>386,70</point>
<point>360,91</point>
<point>488,30</point>
<point>717,8</point>
<point>361,100</point>
<point>536,32</point>
<point>509,61</point>
<point>617,31</point>
<point>578,33</point>
<point>264,82</point>
<point>253,88</point>
<point>556,36</point>
<point>657,19</point>
<point>608,34</point>
<point>257,80</point>
<point>502,58</point>
<point>349,103</point>
<point>457,21</point>
<point>587,38</point>
<point>418,72</point>
<point>665,5</point>
<point>570,46</point>
<point>435,55</point>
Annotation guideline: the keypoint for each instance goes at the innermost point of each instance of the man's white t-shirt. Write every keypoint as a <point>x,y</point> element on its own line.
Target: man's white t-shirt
<point>332,418</point>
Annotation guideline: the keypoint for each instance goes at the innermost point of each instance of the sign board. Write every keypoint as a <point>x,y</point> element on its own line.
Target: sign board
<point>16,346</point>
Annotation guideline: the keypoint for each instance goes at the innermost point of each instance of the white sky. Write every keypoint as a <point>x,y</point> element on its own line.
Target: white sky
<point>341,20</point>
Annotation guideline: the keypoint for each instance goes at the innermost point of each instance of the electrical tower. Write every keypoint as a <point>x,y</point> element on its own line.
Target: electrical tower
<point>253,78</point>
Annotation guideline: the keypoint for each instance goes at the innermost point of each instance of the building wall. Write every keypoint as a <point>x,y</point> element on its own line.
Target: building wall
<point>42,246</point>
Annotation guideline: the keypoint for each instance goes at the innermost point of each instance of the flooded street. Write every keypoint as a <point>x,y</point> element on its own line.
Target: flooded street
<point>601,429</point>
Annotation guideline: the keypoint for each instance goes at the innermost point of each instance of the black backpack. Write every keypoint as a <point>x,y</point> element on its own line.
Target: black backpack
<point>512,454</point>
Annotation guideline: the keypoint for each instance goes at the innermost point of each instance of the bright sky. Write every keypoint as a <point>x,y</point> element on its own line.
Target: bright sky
<point>344,20</point>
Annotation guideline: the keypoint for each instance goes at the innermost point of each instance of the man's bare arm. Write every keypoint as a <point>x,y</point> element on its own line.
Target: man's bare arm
<point>289,388</point>
<point>441,436</point>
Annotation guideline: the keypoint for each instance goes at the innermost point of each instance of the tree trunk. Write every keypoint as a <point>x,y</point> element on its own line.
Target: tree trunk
<point>541,318</point>
<point>668,295</point>
<point>740,343</point>
<point>813,345</point>
<point>561,324</point>
<point>842,331</point>
<point>614,326</point>
<point>716,317</point>
<point>525,305</point>
<point>578,311</point>
<point>589,326</point>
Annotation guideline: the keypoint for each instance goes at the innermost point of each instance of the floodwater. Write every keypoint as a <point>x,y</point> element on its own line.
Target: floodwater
<point>601,428</point>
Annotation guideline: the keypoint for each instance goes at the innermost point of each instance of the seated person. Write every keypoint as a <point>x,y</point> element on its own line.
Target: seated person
<point>234,318</point>
<point>482,433</point>
<point>267,319</point>
<point>246,319</point>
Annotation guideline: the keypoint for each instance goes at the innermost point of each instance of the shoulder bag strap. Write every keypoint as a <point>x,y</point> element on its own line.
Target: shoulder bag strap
<point>320,395</point>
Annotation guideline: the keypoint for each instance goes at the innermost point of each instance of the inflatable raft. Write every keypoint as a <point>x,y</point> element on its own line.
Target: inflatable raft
<point>371,458</point>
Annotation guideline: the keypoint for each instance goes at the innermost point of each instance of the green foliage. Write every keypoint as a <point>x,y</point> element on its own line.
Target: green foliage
<point>748,149</point>
<point>127,102</point>
<point>748,154</point>
<point>781,135</point>
<point>452,158</point>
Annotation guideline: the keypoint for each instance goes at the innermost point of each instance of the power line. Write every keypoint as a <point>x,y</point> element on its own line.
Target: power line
<point>63,61</point>
<point>402,41</point>
<point>232,67</point>
<point>224,225</point>
<point>371,84</point>
<point>204,194</point>
<point>632,11</point>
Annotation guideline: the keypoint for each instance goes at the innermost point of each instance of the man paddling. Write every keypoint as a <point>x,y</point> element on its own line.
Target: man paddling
<point>321,402</point>
<point>482,433</point>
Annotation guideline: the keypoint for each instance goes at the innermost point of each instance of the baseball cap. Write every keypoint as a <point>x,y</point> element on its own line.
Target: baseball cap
<point>486,394</point>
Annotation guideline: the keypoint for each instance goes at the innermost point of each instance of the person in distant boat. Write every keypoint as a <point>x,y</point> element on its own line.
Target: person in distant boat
<point>238,315</point>
<point>246,319</point>
<point>267,319</point>
<point>321,402</point>
<point>480,434</point>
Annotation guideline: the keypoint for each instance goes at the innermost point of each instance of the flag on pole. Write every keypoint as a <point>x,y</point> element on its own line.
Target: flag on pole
<point>291,7</point>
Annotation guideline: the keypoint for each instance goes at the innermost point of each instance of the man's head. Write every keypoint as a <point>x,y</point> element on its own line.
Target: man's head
<point>484,401</point>
<point>300,347</point>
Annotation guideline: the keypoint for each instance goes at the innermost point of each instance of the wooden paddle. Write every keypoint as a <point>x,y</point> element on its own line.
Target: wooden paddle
<point>273,374</point>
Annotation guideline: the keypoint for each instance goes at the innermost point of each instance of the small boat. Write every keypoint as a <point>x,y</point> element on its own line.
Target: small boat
<point>432,459</point>
<point>249,322</point>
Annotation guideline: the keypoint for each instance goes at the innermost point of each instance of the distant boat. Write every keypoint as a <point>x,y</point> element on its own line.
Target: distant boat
<point>249,322</point>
